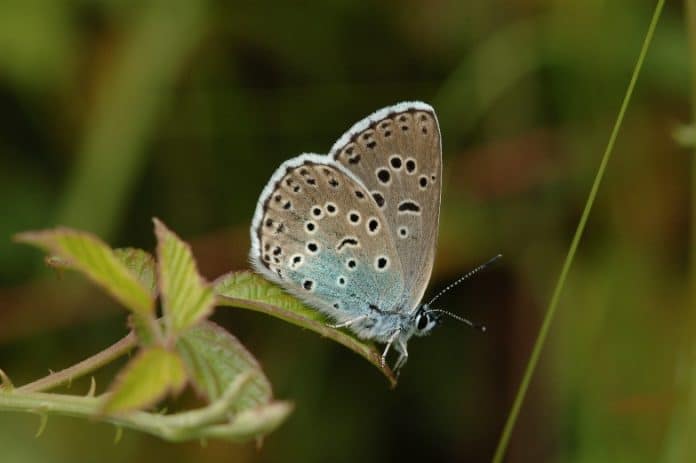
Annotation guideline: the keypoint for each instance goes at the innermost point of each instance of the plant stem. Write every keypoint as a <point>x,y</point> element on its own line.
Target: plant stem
<point>687,433</point>
<point>550,312</point>
<point>196,424</point>
<point>84,367</point>
<point>691,29</point>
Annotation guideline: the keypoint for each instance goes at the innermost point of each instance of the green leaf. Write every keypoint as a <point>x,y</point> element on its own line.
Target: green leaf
<point>143,267</point>
<point>251,291</point>
<point>186,297</point>
<point>250,424</point>
<point>214,359</point>
<point>141,264</point>
<point>91,256</point>
<point>145,380</point>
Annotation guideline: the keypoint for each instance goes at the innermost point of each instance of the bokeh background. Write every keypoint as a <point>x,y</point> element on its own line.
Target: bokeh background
<point>112,112</point>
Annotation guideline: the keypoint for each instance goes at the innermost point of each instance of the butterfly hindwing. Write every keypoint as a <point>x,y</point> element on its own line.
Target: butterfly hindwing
<point>318,233</point>
<point>396,153</point>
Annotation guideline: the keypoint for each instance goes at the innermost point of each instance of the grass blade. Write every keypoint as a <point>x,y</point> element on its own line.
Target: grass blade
<point>541,338</point>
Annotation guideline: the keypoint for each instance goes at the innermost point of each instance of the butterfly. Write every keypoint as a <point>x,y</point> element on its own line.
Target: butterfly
<point>353,233</point>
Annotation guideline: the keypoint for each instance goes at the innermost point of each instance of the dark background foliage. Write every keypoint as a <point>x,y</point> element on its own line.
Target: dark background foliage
<point>112,112</point>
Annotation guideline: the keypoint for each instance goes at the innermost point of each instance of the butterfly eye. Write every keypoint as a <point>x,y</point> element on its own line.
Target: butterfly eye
<point>422,322</point>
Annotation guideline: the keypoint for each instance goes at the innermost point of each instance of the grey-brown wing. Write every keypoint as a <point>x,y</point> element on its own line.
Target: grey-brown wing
<point>397,154</point>
<point>318,234</point>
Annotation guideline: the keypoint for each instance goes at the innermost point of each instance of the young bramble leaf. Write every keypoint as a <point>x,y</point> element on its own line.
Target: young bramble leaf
<point>250,286</point>
<point>186,297</point>
<point>141,264</point>
<point>143,267</point>
<point>251,291</point>
<point>91,256</point>
<point>214,359</point>
<point>252,423</point>
<point>145,380</point>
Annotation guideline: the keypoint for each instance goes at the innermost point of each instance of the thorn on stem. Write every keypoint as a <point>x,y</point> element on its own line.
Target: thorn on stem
<point>5,382</point>
<point>42,424</point>
<point>118,435</point>
<point>92,387</point>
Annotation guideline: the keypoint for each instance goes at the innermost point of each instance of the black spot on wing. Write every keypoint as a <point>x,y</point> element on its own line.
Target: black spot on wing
<point>409,206</point>
<point>347,242</point>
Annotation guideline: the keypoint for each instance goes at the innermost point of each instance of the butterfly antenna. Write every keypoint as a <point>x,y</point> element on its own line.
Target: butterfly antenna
<point>465,277</point>
<point>477,326</point>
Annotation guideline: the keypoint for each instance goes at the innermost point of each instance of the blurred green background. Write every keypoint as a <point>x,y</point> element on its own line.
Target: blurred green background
<point>112,112</point>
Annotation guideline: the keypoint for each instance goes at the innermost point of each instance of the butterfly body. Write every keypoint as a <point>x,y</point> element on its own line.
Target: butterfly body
<point>353,233</point>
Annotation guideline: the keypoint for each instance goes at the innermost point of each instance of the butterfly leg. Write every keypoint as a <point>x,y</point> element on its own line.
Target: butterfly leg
<point>403,356</point>
<point>349,322</point>
<point>392,338</point>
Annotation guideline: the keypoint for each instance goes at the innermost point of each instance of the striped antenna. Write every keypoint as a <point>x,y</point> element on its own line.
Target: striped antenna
<point>478,326</point>
<point>465,277</point>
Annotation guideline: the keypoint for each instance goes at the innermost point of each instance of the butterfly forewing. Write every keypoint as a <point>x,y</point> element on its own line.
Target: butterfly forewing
<point>318,233</point>
<point>396,153</point>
